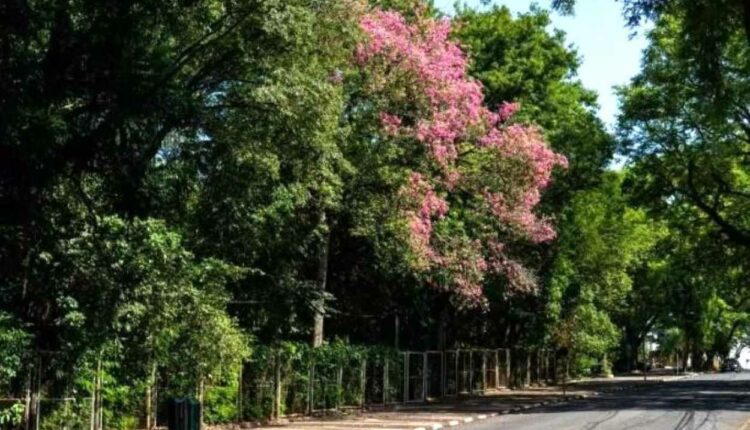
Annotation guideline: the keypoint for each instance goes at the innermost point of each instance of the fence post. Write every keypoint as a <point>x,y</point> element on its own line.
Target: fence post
<point>92,415</point>
<point>385,381</point>
<point>27,400</point>
<point>406,377</point>
<point>363,383</point>
<point>556,365</point>
<point>471,372</point>
<point>528,368</point>
<point>443,373</point>
<point>98,396</point>
<point>339,386</point>
<point>458,375</point>
<point>424,376</point>
<point>507,367</point>
<point>310,389</point>
<point>484,372</point>
<point>240,401</point>
<point>539,366</point>
<point>497,371</point>
<point>277,389</point>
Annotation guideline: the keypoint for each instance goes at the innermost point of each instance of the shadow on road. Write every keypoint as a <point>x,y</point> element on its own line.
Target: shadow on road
<point>718,392</point>
<point>688,395</point>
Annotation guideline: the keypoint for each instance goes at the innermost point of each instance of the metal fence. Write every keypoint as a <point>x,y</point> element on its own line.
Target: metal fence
<point>276,383</point>
<point>402,377</point>
<point>38,406</point>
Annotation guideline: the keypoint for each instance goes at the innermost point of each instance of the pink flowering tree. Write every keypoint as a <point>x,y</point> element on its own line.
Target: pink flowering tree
<point>473,176</point>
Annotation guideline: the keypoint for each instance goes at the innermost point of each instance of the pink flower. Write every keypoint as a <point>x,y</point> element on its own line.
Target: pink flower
<point>391,123</point>
<point>507,110</point>
<point>448,115</point>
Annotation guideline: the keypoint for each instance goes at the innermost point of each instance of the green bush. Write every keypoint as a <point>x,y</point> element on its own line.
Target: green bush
<point>324,378</point>
<point>585,366</point>
<point>11,415</point>
<point>220,404</point>
<point>69,415</point>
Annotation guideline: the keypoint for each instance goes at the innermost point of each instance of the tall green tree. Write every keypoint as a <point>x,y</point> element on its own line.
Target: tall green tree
<point>688,138</point>
<point>602,241</point>
<point>518,58</point>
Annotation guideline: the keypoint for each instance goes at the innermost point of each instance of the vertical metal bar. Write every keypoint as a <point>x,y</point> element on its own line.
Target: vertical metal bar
<point>99,394</point>
<point>239,393</point>
<point>471,371</point>
<point>538,366</point>
<point>497,370</point>
<point>277,389</point>
<point>484,372</point>
<point>339,386</point>
<point>424,376</point>
<point>363,382</point>
<point>27,407</point>
<point>92,423</point>
<point>443,372</point>
<point>385,380</point>
<point>507,366</point>
<point>458,375</point>
<point>528,368</point>
<point>406,377</point>
<point>310,389</point>
<point>38,400</point>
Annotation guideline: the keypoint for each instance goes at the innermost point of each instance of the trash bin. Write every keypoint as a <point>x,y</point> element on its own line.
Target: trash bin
<point>184,414</point>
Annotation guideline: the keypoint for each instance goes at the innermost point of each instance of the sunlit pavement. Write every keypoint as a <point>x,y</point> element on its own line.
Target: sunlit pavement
<point>720,401</point>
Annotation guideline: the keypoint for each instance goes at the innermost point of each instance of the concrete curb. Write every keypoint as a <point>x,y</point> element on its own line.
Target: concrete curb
<point>516,409</point>
<point>469,419</point>
<point>457,421</point>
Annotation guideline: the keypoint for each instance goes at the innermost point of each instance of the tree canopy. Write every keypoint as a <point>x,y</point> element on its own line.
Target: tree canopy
<point>189,185</point>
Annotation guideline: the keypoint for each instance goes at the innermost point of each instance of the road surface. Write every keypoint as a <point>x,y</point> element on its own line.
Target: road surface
<point>717,402</point>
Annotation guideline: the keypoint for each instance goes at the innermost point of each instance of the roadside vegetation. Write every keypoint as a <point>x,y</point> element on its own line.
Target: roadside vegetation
<point>188,188</point>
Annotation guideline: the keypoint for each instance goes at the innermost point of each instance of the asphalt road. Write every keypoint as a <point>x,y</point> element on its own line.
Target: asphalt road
<point>706,402</point>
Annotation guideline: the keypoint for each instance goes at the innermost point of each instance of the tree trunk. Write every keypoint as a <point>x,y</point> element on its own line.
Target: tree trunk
<point>319,305</point>
<point>686,356</point>
<point>32,422</point>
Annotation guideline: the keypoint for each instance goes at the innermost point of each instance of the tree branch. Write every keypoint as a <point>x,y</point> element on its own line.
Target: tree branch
<point>733,233</point>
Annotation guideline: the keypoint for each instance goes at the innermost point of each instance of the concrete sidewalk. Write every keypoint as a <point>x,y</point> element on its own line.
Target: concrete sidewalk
<point>454,412</point>
<point>433,416</point>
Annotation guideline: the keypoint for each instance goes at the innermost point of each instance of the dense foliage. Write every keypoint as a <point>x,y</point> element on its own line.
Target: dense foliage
<point>191,191</point>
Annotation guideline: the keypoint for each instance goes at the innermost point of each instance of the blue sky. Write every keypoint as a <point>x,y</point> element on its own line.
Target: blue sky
<point>597,30</point>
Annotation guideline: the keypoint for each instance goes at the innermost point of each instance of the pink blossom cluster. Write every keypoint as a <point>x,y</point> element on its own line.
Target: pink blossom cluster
<point>429,206</point>
<point>466,266</point>
<point>518,277</point>
<point>452,114</point>
<point>520,215</point>
<point>525,143</point>
<point>439,65</point>
<point>391,123</point>
<point>507,110</point>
